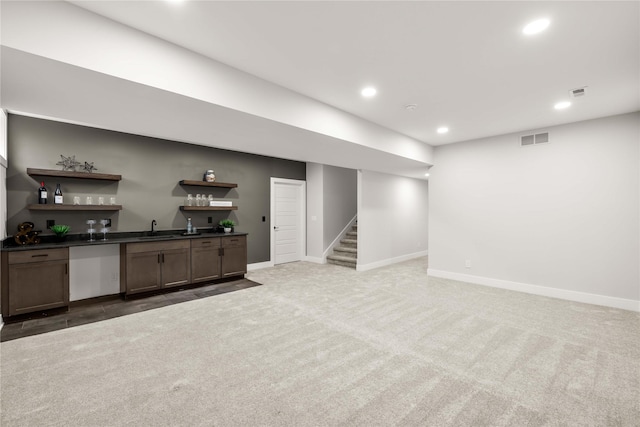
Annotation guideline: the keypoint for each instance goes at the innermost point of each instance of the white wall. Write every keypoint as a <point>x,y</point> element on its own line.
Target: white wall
<point>340,201</point>
<point>3,179</point>
<point>94,271</point>
<point>315,212</point>
<point>71,35</point>
<point>3,174</point>
<point>559,219</point>
<point>331,205</point>
<point>392,219</point>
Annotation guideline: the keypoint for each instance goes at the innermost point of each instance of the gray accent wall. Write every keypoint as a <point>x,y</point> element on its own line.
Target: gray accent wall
<point>151,169</point>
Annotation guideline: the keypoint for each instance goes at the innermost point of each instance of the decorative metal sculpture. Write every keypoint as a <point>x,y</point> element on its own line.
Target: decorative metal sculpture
<point>68,163</point>
<point>88,167</point>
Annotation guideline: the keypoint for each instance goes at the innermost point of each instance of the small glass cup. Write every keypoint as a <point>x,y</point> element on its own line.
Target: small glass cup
<point>101,200</point>
<point>89,200</point>
<point>91,230</point>
<point>112,200</point>
<point>189,201</point>
<point>76,200</point>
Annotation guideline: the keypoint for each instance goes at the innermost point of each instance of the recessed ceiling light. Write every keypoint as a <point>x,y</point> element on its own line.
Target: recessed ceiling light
<point>426,174</point>
<point>443,129</point>
<point>562,105</point>
<point>536,26</point>
<point>369,91</point>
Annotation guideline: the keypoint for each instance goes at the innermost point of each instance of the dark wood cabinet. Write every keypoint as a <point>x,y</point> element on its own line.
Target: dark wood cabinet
<point>234,256</point>
<point>154,265</point>
<point>218,257</point>
<point>176,270</point>
<point>142,272</point>
<point>34,280</point>
<point>205,259</point>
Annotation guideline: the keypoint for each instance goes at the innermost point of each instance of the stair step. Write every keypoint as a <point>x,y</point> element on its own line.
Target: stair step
<point>354,227</point>
<point>351,243</point>
<point>342,260</point>
<point>353,234</point>
<point>346,249</point>
<point>346,252</point>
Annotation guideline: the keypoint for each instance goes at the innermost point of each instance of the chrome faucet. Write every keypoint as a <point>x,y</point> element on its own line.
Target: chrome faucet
<point>153,223</point>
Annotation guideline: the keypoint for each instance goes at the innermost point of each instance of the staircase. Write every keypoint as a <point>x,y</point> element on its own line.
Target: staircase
<point>346,254</point>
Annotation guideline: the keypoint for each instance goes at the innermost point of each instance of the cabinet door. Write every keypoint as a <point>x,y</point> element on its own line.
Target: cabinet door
<point>234,256</point>
<point>175,267</point>
<point>38,286</point>
<point>143,271</point>
<point>205,260</point>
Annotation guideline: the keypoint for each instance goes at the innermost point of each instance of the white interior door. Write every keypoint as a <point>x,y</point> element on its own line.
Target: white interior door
<point>287,220</point>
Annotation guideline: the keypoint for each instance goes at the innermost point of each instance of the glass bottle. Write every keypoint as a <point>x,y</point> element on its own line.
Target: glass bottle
<point>57,195</point>
<point>42,194</point>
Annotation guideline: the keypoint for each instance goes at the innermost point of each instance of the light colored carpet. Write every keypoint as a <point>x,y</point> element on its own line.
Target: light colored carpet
<point>322,345</point>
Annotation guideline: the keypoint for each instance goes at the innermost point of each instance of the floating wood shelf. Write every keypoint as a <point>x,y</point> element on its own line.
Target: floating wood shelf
<point>208,208</point>
<point>49,207</point>
<point>70,174</point>
<point>208,184</point>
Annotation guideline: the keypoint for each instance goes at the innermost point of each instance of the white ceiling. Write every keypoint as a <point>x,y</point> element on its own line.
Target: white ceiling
<point>465,64</point>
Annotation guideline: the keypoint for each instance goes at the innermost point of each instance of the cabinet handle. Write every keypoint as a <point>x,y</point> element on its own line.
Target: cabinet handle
<point>37,256</point>
<point>163,258</point>
<point>205,243</point>
<point>66,269</point>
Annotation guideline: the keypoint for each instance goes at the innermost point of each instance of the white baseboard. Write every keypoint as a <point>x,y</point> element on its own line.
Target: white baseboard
<point>587,298</point>
<point>314,259</point>
<point>259,265</point>
<point>385,262</point>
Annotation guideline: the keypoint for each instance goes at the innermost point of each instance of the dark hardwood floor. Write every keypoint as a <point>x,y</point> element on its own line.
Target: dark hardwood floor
<point>107,308</point>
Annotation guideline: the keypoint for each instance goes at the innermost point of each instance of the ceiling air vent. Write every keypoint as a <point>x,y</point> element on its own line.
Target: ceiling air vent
<point>538,138</point>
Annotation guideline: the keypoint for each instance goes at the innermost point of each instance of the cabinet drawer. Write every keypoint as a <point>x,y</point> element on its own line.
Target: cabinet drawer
<point>40,255</point>
<point>133,248</point>
<point>211,242</point>
<point>234,242</point>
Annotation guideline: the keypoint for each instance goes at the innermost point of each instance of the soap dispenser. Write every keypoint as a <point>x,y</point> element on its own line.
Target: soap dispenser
<point>189,226</point>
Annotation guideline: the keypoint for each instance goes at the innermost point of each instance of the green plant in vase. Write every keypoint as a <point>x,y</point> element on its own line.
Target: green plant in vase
<point>227,224</point>
<point>60,231</point>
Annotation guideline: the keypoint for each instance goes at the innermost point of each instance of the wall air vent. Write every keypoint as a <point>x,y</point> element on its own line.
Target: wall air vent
<point>541,138</point>
<point>527,140</point>
<point>538,138</point>
<point>575,93</point>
